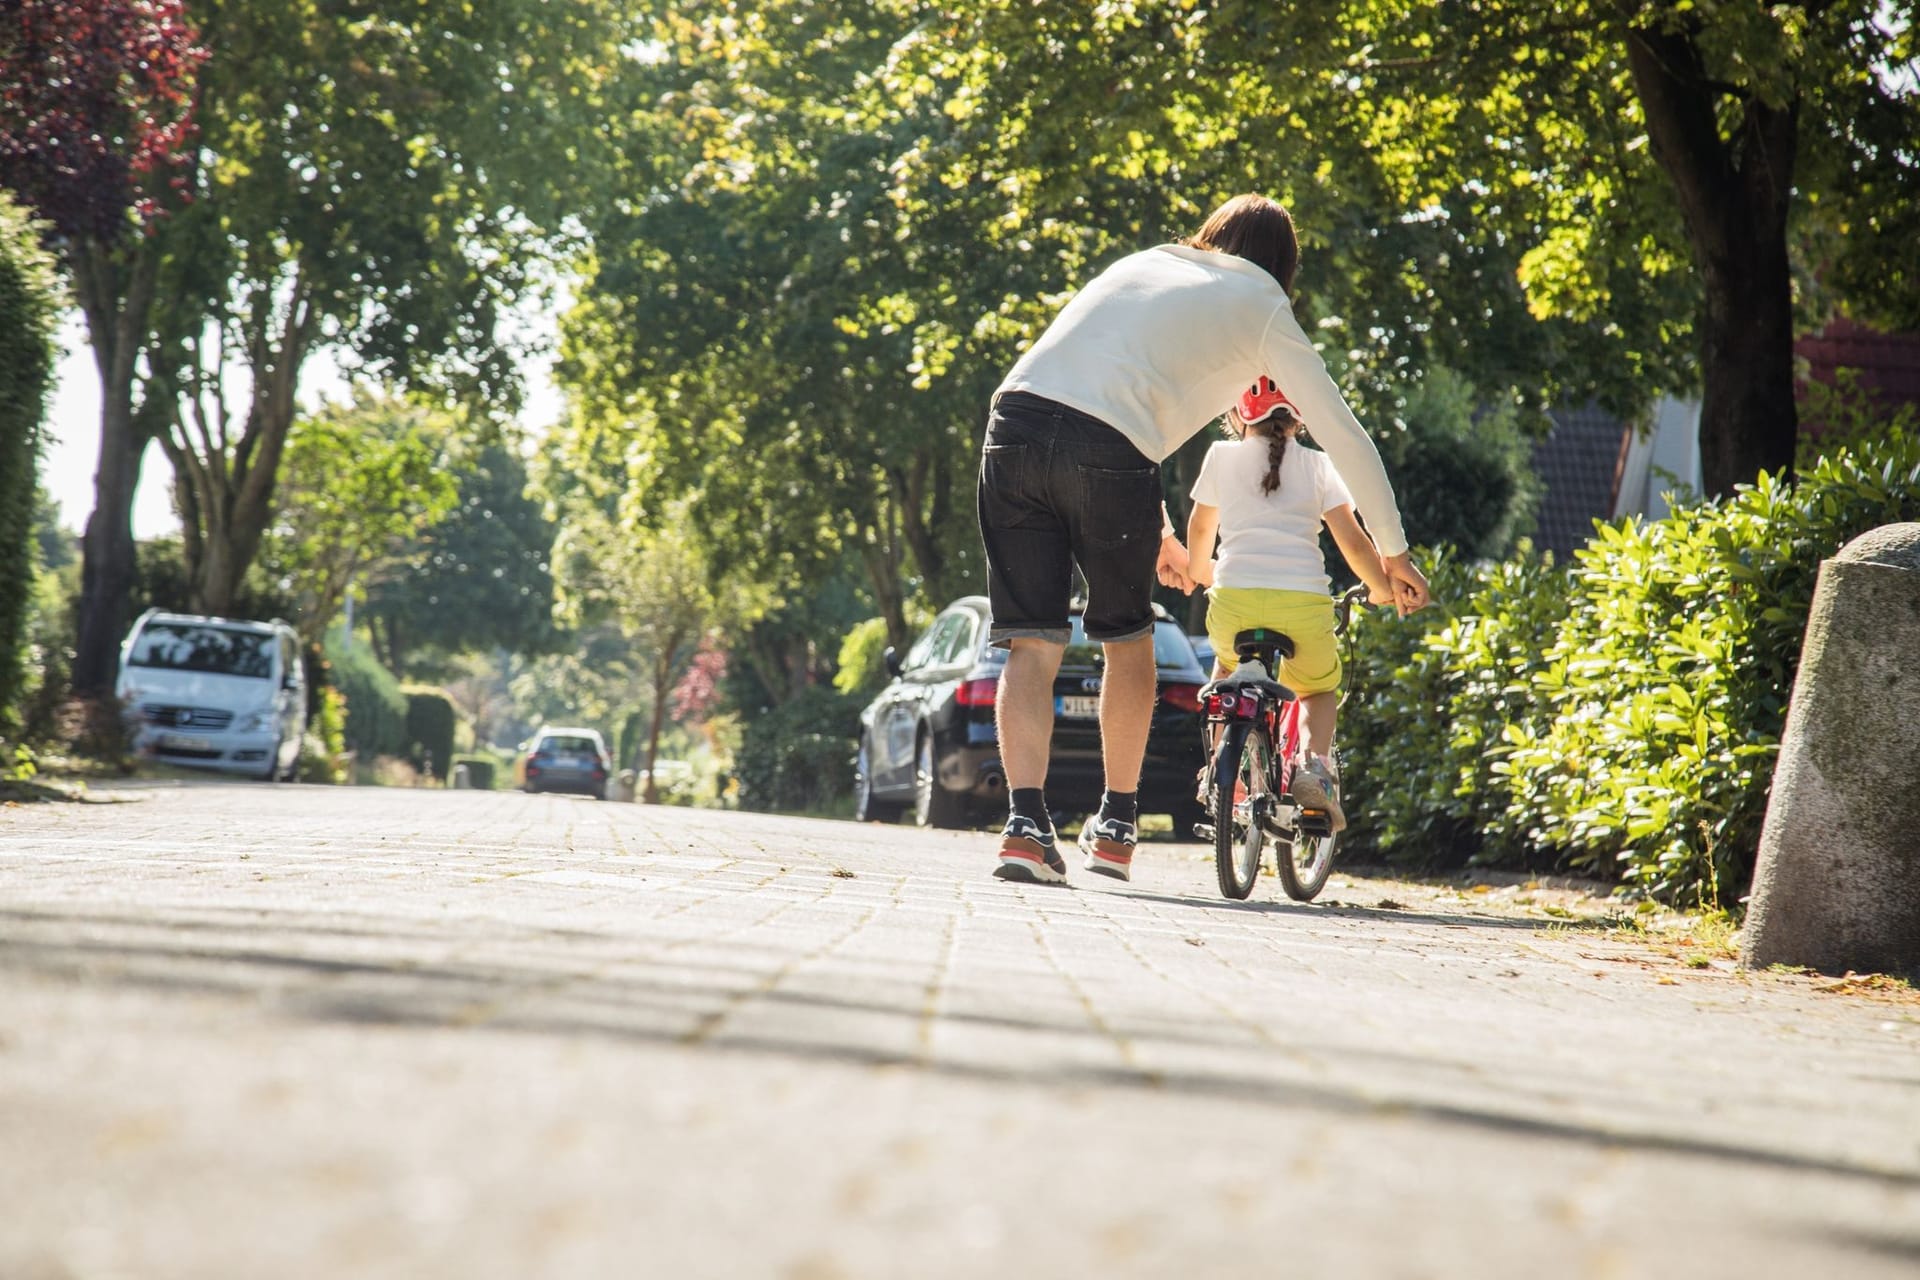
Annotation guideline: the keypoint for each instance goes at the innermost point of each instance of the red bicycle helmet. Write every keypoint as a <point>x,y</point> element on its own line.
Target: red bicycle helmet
<point>1262,400</point>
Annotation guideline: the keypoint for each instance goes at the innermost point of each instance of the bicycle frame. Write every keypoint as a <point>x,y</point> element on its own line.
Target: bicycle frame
<point>1276,719</point>
<point>1253,728</point>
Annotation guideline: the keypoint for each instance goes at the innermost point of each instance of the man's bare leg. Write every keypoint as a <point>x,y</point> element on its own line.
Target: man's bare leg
<point>1126,714</point>
<point>1126,710</point>
<point>1024,712</point>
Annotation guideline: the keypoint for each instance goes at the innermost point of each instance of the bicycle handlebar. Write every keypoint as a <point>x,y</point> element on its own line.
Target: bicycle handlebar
<point>1343,607</point>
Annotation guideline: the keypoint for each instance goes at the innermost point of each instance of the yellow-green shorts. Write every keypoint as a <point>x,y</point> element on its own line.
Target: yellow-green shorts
<point>1305,616</point>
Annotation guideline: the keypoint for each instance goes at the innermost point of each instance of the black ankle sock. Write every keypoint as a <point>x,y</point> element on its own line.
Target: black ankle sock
<point>1121,805</point>
<point>1030,802</point>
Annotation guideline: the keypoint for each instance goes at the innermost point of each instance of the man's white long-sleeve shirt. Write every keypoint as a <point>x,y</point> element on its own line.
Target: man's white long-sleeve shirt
<point>1164,341</point>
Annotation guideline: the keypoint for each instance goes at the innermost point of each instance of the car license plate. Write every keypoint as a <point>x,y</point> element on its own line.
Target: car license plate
<point>185,742</point>
<point>1077,708</point>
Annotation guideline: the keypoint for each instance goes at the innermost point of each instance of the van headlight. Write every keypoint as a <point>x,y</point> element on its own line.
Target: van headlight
<point>255,722</point>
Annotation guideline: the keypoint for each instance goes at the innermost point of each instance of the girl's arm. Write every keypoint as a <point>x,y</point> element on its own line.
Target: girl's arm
<point>1202,525</point>
<point>1361,555</point>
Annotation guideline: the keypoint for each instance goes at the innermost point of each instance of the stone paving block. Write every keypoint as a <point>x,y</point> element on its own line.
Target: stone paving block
<point>308,1032</point>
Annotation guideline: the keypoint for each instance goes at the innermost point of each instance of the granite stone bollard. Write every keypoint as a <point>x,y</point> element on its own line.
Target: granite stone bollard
<point>1837,886</point>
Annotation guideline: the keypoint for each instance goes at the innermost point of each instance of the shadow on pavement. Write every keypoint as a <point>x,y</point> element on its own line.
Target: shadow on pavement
<point>1338,910</point>
<point>552,994</point>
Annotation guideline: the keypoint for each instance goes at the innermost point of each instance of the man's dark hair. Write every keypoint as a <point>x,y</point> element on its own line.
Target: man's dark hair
<point>1257,229</point>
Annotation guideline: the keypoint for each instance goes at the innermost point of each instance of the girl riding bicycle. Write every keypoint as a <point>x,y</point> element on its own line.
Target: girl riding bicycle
<point>1267,501</point>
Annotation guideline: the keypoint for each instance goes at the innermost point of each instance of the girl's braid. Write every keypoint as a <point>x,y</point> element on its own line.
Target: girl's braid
<point>1276,450</point>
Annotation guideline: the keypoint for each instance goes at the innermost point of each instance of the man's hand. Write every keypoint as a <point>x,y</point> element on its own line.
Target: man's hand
<point>1410,592</point>
<point>1172,567</point>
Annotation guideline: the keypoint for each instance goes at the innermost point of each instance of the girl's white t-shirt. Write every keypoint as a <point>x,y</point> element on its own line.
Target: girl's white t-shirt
<point>1270,540</point>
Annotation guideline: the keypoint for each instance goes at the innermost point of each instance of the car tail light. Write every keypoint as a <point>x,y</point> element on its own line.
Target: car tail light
<point>1184,696</point>
<point>532,769</point>
<point>977,693</point>
<point>1232,706</point>
<point>598,773</point>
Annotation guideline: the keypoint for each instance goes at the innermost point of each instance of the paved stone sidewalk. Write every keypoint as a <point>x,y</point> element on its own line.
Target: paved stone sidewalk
<point>250,1031</point>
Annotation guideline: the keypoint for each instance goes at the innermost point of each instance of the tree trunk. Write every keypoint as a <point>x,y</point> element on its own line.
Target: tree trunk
<point>884,574</point>
<point>910,496</point>
<point>662,676</point>
<point>107,555</point>
<point>117,312</point>
<point>1734,194</point>
<point>235,503</point>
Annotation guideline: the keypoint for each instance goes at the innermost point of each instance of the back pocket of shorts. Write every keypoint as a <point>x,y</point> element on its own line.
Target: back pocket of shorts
<point>1118,507</point>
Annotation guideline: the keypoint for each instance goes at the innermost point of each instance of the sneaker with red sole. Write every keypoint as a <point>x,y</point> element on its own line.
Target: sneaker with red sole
<point>1108,844</point>
<point>1027,854</point>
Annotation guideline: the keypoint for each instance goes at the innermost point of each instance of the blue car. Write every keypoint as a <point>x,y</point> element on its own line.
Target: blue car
<point>561,759</point>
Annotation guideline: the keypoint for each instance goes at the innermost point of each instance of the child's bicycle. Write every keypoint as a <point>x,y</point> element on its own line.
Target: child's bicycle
<point>1247,785</point>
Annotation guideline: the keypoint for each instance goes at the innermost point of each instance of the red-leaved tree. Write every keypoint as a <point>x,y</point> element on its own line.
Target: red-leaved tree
<point>96,100</point>
<point>96,129</point>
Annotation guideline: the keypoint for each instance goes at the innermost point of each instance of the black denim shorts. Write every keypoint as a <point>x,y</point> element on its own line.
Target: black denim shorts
<point>1059,488</point>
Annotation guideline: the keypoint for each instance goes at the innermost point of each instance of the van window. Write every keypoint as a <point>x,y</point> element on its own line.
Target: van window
<point>187,646</point>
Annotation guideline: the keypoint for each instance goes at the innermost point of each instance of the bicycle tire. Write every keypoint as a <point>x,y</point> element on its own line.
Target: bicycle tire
<point>1303,880</point>
<point>1237,833</point>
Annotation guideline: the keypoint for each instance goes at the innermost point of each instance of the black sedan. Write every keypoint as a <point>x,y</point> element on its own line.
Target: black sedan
<point>928,744</point>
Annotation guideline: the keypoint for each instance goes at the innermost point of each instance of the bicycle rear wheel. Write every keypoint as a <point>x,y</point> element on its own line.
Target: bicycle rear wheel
<point>1304,863</point>
<point>1239,799</point>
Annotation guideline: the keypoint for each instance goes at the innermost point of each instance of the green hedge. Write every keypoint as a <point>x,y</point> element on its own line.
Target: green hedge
<point>799,755</point>
<point>483,772</point>
<point>29,312</point>
<point>1430,698</point>
<point>1620,717</point>
<point>376,709</point>
<point>430,724</point>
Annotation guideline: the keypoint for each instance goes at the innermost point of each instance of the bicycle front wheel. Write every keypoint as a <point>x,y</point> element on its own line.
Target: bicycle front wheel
<point>1239,798</point>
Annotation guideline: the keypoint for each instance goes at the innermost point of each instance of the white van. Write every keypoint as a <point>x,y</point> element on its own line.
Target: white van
<point>215,693</point>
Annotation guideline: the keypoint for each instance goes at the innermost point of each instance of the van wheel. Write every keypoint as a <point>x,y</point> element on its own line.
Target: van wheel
<point>273,765</point>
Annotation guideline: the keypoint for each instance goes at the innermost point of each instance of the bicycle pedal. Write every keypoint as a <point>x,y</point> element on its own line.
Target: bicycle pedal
<point>1203,830</point>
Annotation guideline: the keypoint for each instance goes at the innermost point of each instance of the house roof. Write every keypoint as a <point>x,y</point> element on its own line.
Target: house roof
<point>1887,362</point>
<point>1886,365</point>
<point>1578,463</point>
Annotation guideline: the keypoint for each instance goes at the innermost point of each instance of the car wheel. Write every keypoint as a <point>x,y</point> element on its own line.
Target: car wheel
<point>865,807</point>
<point>273,765</point>
<point>933,804</point>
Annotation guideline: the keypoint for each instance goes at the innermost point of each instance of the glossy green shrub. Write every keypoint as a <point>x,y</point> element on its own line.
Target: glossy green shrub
<point>430,725</point>
<point>799,755</point>
<point>483,772</point>
<point>1667,685</point>
<point>323,756</point>
<point>29,315</point>
<point>1431,697</point>
<point>376,710</point>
